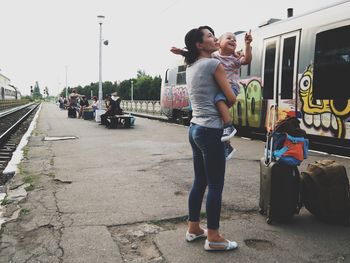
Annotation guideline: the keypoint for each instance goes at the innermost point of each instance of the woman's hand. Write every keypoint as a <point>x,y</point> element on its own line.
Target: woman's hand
<point>177,51</point>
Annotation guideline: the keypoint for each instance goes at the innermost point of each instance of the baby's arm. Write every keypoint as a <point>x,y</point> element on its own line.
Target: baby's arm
<point>247,58</point>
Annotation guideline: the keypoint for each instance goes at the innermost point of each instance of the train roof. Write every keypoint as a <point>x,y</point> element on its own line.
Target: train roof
<point>276,21</point>
<point>13,87</point>
<point>3,76</point>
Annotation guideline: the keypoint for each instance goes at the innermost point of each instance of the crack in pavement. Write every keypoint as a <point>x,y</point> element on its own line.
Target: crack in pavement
<point>41,241</point>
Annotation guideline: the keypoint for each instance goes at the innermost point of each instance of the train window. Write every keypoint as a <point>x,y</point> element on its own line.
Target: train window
<point>181,75</point>
<point>166,81</point>
<point>182,68</point>
<point>269,70</point>
<point>287,77</point>
<point>332,64</point>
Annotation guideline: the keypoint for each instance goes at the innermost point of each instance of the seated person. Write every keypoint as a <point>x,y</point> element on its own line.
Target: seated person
<point>95,103</point>
<point>65,103</point>
<point>111,109</point>
<point>83,104</point>
<point>118,101</point>
<point>119,109</point>
<point>60,101</point>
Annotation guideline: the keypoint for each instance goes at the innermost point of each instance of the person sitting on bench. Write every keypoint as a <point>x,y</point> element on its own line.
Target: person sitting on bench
<point>111,110</point>
<point>84,103</point>
<point>119,109</point>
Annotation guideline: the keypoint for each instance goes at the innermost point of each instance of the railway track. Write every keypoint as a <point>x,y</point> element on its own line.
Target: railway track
<point>13,125</point>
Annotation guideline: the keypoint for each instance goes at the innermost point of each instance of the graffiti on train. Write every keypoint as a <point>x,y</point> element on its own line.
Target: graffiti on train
<point>322,115</point>
<point>248,109</point>
<point>167,98</point>
<point>180,99</point>
<point>174,98</point>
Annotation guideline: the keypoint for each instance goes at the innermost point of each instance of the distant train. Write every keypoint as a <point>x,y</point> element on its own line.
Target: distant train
<point>8,91</point>
<point>301,63</point>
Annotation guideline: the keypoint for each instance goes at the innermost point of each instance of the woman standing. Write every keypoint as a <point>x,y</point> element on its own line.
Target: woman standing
<point>205,77</point>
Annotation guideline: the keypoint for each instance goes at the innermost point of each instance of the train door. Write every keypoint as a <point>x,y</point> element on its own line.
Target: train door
<point>2,93</point>
<point>166,102</point>
<point>279,74</point>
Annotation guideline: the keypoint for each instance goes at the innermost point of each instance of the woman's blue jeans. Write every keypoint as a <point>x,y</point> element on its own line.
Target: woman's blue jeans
<point>209,170</point>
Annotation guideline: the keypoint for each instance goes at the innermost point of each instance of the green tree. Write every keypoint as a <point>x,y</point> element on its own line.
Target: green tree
<point>124,89</point>
<point>36,91</point>
<point>145,88</point>
<point>142,87</point>
<point>140,73</point>
<point>155,88</point>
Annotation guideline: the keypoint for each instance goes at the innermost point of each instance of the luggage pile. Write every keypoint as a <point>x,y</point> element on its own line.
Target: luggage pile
<point>286,147</point>
<point>323,188</point>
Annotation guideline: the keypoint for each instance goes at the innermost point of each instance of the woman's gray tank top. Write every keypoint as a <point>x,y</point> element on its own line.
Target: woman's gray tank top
<point>202,88</point>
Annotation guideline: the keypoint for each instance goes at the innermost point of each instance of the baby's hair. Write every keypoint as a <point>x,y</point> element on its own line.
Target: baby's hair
<point>224,35</point>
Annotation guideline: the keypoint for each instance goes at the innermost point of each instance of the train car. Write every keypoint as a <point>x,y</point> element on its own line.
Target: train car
<point>174,95</point>
<point>15,93</point>
<point>8,91</point>
<point>302,64</point>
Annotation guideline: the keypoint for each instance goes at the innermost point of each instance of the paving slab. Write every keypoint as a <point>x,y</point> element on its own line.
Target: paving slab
<point>89,244</point>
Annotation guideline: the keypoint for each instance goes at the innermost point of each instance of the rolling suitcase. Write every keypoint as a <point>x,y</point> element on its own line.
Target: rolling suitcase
<point>279,191</point>
<point>72,113</point>
<point>279,187</point>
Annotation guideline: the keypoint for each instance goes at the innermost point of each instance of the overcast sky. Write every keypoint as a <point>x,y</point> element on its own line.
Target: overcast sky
<point>39,38</point>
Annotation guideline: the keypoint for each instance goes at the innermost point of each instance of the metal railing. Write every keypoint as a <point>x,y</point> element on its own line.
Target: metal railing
<point>142,106</point>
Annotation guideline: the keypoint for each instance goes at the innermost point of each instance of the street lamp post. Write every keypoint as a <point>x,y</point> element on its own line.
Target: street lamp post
<point>66,84</point>
<point>132,93</point>
<point>100,21</point>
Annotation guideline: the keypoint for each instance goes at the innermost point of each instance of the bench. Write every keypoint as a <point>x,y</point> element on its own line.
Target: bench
<point>117,121</point>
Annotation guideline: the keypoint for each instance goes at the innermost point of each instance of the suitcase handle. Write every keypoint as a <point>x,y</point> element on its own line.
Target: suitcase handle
<point>269,137</point>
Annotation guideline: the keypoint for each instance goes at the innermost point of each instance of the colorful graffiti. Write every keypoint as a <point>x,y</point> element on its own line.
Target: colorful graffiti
<point>180,97</point>
<point>322,115</point>
<point>166,100</point>
<point>248,110</point>
<point>174,98</point>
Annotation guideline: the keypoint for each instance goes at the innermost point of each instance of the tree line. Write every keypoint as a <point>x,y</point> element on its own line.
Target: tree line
<point>145,87</point>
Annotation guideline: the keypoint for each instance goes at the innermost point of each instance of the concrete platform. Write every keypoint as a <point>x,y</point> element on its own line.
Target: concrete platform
<point>121,196</point>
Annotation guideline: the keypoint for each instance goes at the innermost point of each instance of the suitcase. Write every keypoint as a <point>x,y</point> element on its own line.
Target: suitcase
<point>279,186</point>
<point>325,191</point>
<point>88,115</point>
<point>72,113</point>
<point>279,191</point>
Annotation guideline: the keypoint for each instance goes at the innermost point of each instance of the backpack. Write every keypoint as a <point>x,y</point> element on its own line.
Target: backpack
<point>325,191</point>
<point>289,145</point>
<point>290,125</point>
<point>292,151</point>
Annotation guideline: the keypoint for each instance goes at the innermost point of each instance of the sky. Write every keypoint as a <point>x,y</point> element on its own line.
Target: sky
<point>42,40</point>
